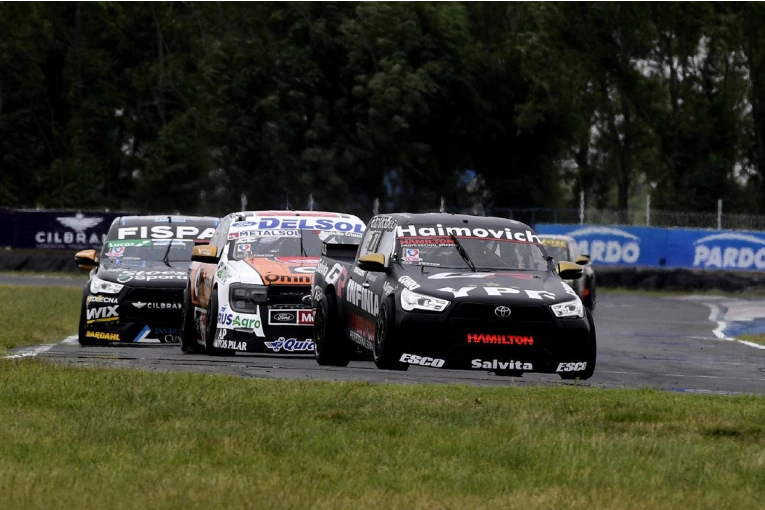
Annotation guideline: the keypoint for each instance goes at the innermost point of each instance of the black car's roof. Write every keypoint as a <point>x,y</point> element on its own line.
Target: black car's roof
<point>454,220</point>
<point>162,219</point>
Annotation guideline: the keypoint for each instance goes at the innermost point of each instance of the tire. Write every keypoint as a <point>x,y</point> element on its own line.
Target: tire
<point>592,355</point>
<point>329,348</point>
<point>589,301</point>
<point>84,340</point>
<point>387,349</point>
<point>189,343</point>
<point>212,326</point>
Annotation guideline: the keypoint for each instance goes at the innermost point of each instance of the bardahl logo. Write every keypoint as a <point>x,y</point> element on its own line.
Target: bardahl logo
<point>624,249</point>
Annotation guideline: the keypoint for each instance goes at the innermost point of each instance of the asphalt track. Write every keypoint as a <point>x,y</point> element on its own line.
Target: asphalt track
<point>673,344</point>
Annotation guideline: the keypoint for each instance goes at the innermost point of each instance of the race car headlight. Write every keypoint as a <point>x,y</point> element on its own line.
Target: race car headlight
<point>571,309</point>
<point>99,286</point>
<point>245,298</point>
<point>414,301</point>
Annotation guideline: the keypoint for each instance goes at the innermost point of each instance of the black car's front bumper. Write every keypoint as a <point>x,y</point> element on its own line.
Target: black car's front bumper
<point>139,315</point>
<point>469,335</point>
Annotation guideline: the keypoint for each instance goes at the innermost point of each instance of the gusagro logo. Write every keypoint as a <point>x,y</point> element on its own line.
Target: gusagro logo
<point>730,250</point>
<point>608,245</point>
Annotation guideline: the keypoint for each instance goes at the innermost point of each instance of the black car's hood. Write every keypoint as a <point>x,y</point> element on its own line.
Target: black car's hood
<point>508,287</point>
<point>149,274</point>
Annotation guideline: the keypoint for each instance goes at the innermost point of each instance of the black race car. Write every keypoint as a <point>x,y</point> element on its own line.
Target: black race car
<point>135,290</point>
<point>452,291</point>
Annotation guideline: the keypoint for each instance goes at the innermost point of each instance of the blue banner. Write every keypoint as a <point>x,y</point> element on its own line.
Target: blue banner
<point>665,247</point>
<point>61,229</point>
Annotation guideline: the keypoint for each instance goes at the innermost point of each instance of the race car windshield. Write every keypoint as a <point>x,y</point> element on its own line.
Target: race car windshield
<point>135,251</point>
<point>557,253</point>
<point>486,254</point>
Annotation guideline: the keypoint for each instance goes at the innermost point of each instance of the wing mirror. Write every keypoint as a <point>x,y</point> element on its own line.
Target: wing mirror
<point>372,262</point>
<point>205,253</point>
<point>582,260</point>
<point>86,260</point>
<point>569,270</point>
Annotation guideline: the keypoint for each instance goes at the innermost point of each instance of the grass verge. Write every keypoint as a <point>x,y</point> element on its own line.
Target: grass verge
<point>757,339</point>
<point>37,315</point>
<point>104,438</point>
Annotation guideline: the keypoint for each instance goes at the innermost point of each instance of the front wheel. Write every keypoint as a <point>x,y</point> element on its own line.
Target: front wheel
<point>387,349</point>
<point>591,351</point>
<point>212,327</point>
<point>329,348</point>
<point>189,343</point>
<point>81,332</point>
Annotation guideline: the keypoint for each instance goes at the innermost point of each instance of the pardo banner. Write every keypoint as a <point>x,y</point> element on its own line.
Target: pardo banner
<point>666,247</point>
<point>61,230</point>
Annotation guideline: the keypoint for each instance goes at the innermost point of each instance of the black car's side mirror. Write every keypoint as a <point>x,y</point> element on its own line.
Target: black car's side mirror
<point>372,262</point>
<point>569,270</point>
<point>86,260</point>
<point>582,260</point>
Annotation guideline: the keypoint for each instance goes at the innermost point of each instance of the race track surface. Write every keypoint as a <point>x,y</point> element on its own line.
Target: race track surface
<point>663,343</point>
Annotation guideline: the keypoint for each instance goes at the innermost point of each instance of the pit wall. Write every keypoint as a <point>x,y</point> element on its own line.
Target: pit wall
<point>651,247</point>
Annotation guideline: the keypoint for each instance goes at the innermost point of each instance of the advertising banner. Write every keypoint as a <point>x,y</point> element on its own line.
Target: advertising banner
<point>61,230</point>
<point>666,247</point>
<point>7,228</point>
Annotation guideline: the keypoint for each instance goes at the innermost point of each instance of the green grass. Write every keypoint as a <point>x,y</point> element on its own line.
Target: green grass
<point>104,438</point>
<point>757,339</point>
<point>37,315</point>
<point>56,274</point>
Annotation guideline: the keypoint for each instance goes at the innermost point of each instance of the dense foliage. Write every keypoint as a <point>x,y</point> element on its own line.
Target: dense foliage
<point>192,106</point>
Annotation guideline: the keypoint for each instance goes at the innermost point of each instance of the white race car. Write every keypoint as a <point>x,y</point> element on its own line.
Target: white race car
<point>249,290</point>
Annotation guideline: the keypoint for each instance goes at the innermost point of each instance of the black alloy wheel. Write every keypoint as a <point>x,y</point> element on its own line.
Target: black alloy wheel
<point>212,327</point>
<point>330,349</point>
<point>81,332</point>
<point>189,343</point>
<point>591,355</point>
<point>387,349</point>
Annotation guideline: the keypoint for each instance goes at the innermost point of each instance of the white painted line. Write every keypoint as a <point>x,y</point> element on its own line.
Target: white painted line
<point>32,351</point>
<point>39,349</point>
<point>713,315</point>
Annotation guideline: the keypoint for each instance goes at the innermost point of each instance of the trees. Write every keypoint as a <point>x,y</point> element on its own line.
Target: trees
<point>188,107</point>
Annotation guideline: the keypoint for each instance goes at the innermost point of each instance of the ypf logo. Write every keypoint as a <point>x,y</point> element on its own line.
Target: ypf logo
<point>729,250</point>
<point>608,245</point>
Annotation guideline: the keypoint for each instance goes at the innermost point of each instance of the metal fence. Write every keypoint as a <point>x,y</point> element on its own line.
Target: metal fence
<point>637,218</point>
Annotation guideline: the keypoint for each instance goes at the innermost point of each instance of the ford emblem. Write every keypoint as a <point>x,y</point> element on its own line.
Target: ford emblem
<point>502,312</point>
<point>307,299</point>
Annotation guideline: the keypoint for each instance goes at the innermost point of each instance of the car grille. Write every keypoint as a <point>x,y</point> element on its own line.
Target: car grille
<point>150,297</point>
<point>288,294</point>
<point>485,312</point>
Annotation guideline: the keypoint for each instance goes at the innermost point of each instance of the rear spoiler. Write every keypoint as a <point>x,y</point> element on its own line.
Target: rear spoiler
<point>339,251</point>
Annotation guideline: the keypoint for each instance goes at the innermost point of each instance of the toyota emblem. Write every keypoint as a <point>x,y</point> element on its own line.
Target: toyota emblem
<point>502,311</point>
